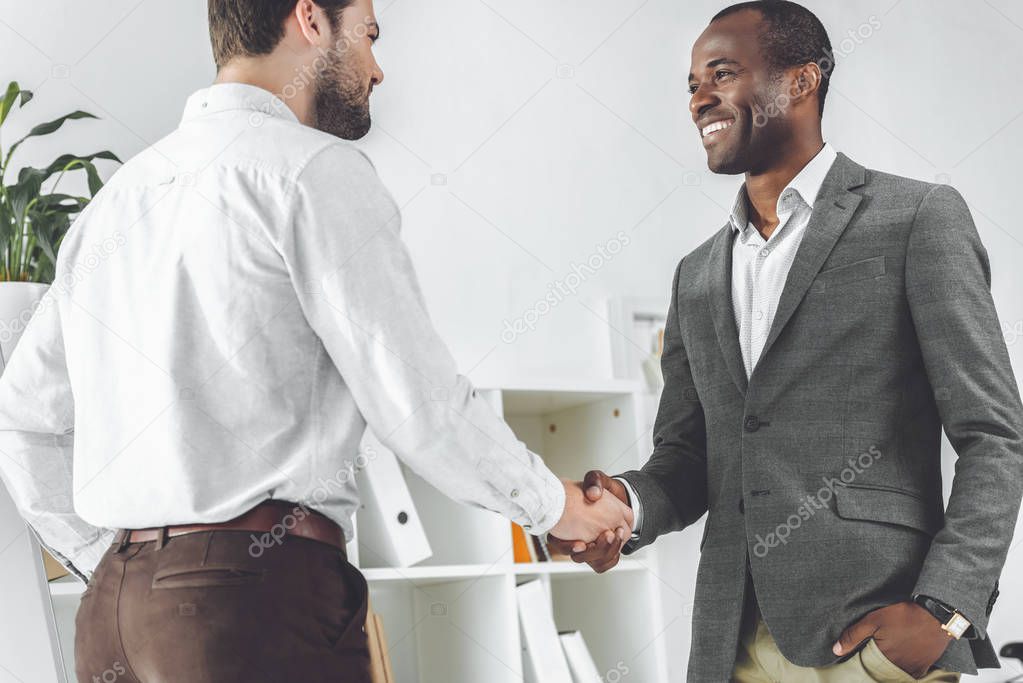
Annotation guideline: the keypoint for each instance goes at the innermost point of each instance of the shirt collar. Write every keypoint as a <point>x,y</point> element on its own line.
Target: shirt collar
<point>233,97</point>
<point>803,188</point>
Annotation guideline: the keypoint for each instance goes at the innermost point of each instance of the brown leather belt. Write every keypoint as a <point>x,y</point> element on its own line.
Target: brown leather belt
<point>274,518</point>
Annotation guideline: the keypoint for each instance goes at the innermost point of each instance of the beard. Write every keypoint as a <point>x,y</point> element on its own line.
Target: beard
<point>341,102</point>
<point>752,147</point>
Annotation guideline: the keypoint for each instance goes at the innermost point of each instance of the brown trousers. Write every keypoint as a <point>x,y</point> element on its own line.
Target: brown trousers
<point>215,607</point>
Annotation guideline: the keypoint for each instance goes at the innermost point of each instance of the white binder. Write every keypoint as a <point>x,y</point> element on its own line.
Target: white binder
<point>544,658</point>
<point>390,531</point>
<point>580,661</point>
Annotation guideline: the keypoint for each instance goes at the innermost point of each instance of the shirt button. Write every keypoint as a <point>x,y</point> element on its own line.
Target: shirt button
<point>515,493</point>
<point>527,527</point>
<point>765,251</point>
<point>759,315</point>
<point>751,423</point>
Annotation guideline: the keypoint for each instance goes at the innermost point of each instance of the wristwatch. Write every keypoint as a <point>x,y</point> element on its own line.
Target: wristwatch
<point>952,622</point>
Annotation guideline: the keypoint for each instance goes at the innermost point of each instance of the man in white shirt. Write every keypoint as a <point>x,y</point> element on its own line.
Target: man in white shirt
<point>214,375</point>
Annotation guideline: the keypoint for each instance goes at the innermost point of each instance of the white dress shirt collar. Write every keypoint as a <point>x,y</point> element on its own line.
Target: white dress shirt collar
<point>221,97</point>
<point>803,188</point>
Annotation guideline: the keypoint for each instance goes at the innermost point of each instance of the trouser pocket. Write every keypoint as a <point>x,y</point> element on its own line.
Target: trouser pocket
<point>344,618</point>
<point>206,577</point>
<point>208,559</point>
<point>879,667</point>
<point>337,596</point>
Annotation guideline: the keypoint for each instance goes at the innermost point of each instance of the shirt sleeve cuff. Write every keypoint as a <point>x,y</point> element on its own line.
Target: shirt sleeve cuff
<point>635,504</point>
<point>552,509</point>
<point>85,560</point>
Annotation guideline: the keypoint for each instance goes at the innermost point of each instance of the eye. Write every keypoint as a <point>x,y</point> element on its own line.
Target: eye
<point>693,87</point>
<point>723,73</point>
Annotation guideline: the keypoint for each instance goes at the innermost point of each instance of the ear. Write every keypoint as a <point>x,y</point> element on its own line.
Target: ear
<point>806,81</point>
<point>313,24</point>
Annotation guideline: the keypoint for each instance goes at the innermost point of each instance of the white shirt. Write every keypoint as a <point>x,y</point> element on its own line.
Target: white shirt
<point>760,267</point>
<point>229,313</point>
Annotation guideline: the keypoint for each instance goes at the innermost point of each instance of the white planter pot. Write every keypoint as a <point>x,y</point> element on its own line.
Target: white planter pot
<point>18,301</point>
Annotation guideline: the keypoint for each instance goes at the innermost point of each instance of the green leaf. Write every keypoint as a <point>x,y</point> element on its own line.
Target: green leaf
<point>49,229</point>
<point>14,92</point>
<point>63,161</point>
<point>50,127</point>
<point>71,162</point>
<point>95,182</point>
<point>6,224</point>
<point>61,203</point>
<point>54,125</point>
<point>8,100</point>
<point>30,181</point>
<point>31,175</point>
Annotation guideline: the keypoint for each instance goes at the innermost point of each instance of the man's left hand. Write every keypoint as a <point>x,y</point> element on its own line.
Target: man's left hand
<point>906,634</point>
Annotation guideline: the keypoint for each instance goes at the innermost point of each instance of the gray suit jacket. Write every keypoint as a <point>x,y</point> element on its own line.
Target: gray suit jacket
<point>821,474</point>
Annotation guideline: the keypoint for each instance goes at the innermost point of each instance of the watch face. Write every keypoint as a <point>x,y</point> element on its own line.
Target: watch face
<point>957,625</point>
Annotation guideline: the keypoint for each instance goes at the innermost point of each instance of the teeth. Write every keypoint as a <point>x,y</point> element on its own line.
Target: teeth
<point>716,126</point>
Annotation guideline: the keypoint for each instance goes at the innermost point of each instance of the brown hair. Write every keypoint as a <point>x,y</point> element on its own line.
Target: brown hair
<point>245,28</point>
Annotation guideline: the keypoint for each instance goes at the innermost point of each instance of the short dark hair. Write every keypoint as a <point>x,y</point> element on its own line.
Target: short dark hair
<point>246,28</point>
<point>791,35</point>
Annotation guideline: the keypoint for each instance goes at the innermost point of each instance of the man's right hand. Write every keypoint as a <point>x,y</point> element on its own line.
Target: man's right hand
<point>604,552</point>
<point>585,518</point>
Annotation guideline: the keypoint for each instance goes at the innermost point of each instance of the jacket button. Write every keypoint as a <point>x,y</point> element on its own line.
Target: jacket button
<point>751,423</point>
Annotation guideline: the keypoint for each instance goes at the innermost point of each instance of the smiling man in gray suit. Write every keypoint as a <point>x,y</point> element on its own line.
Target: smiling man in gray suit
<point>815,346</point>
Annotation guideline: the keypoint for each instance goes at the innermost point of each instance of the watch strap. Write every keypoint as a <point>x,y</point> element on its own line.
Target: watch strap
<point>952,621</point>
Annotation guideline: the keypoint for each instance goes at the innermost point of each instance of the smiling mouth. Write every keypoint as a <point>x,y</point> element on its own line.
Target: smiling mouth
<point>716,127</point>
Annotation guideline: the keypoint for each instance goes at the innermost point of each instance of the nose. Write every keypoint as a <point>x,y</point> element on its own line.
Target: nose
<point>378,74</point>
<point>701,100</point>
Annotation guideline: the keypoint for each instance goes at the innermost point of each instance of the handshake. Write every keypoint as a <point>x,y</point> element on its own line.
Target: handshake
<point>594,527</point>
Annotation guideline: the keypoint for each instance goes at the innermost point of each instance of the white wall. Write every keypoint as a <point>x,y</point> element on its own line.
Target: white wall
<point>552,126</point>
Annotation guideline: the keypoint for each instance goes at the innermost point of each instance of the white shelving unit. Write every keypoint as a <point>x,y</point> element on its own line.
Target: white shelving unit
<point>453,618</point>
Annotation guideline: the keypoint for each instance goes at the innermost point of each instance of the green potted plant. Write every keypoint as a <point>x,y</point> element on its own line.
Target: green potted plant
<point>34,217</point>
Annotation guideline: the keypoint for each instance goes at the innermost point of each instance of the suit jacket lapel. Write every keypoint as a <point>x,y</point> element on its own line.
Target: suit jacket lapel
<point>832,211</point>
<point>720,296</point>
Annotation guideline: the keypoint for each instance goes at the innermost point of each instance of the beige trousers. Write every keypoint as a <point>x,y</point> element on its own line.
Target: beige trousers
<point>759,661</point>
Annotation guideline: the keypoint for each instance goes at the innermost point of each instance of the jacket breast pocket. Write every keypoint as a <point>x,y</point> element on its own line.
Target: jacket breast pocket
<point>887,505</point>
<point>851,272</point>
